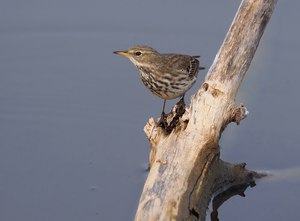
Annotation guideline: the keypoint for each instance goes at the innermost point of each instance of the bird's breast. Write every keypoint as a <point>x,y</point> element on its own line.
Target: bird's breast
<point>166,85</point>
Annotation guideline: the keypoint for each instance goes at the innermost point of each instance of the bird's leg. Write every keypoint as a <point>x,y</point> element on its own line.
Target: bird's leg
<point>163,110</point>
<point>162,121</point>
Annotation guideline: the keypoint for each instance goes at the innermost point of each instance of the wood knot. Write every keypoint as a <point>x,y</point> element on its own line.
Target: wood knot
<point>216,92</point>
<point>239,113</point>
<point>205,86</point>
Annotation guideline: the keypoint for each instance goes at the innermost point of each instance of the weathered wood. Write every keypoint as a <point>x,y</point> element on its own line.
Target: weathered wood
<point>185,165</point>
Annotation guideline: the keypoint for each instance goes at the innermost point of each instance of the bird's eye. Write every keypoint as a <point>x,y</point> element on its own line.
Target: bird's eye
<point>138,53</point>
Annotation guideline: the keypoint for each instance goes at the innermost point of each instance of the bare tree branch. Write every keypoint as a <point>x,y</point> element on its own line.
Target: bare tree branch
<point>185,166</point>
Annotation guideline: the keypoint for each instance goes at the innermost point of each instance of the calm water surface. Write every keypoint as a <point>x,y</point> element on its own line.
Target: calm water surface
<point>72,113</point>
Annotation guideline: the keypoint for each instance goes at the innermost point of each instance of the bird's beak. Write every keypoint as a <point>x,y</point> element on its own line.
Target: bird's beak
<point>124,53</point>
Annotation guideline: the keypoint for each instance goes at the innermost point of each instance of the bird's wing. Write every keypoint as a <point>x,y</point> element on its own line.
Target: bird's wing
<point>183,63</point>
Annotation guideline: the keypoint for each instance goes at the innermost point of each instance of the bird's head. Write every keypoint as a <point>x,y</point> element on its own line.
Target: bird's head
<point>140,54</point>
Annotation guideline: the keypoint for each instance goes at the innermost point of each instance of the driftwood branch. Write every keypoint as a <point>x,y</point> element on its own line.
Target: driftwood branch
<point>185,168</point>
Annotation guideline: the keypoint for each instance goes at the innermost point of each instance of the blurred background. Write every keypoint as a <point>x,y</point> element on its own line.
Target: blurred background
<point>72,113</point>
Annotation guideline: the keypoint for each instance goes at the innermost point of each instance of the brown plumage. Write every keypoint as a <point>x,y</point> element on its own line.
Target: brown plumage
<point>166,75</point>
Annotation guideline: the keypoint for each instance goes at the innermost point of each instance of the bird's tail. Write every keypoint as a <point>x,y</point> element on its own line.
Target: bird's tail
<point>198,56</point>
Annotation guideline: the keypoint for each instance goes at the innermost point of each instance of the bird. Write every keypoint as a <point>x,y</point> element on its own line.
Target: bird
<point>167,75</point>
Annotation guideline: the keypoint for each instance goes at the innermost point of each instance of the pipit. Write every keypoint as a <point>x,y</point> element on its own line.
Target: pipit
<point>168,76</point>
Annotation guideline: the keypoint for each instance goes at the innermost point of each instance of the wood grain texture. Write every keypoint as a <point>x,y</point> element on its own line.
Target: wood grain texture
<point>185,165</point>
